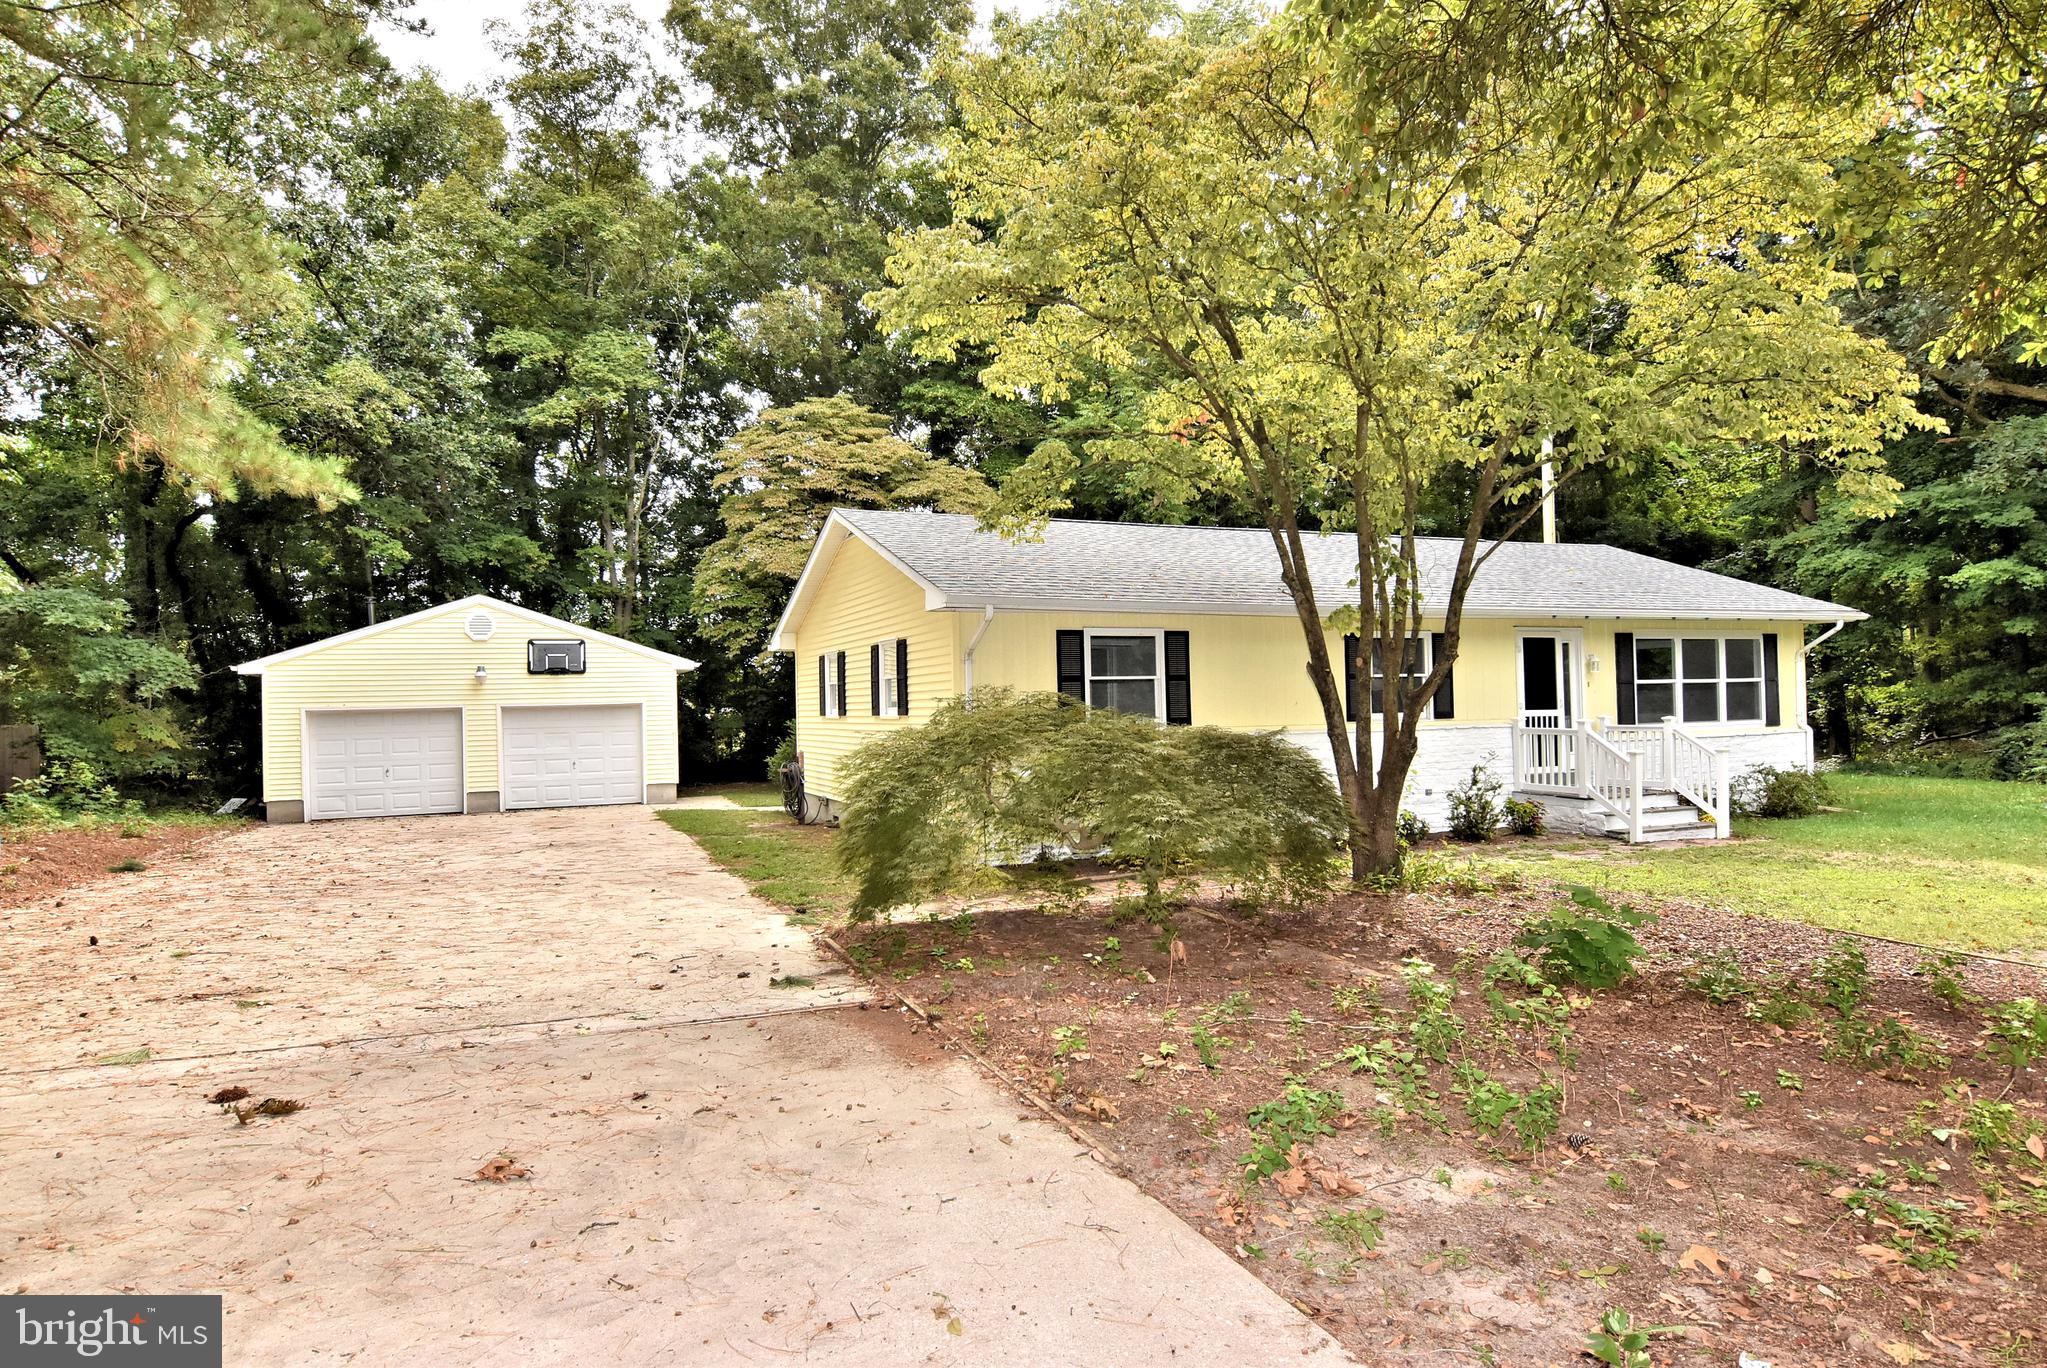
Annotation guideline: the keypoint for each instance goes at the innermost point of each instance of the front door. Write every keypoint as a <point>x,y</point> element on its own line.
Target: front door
<point>1552,678</point>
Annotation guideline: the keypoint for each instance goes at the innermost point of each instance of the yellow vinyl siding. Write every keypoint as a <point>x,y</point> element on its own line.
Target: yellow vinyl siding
<point>1246,672</point>
<point>431,663</point>
<point>863,600</point>
<point>1251,672</point>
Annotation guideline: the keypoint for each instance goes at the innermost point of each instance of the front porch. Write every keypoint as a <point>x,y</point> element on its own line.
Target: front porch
<point>1637,784</point>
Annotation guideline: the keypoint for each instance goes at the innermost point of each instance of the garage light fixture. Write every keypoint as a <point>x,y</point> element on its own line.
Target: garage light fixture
<point>480,674</point>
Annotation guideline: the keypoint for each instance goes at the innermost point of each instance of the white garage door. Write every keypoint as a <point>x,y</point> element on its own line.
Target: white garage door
<point>572,757</point>
<point>383,764</point>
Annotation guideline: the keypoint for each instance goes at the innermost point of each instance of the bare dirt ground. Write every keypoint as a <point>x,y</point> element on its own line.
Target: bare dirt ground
<point>569,1095</point>
<point>1709,1170</point>
<point>42,864</point>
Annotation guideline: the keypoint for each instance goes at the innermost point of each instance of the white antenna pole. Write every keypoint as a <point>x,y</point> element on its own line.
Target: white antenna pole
<point>1549,492</point>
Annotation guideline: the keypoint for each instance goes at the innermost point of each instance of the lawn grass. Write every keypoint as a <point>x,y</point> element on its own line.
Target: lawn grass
<point>1950,862</point>
<point>785,863</point>
<point>761,795</point>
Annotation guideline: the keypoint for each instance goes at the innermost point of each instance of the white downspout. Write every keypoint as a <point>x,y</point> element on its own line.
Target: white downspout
<point>1812,750</point>
<point>1806,649</point>
<point>987,616</point>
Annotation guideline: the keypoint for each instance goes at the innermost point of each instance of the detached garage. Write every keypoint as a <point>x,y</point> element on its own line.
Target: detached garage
<point>473,706</point>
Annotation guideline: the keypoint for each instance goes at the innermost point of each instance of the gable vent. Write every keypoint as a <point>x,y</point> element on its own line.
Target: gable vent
<point>479,626</point>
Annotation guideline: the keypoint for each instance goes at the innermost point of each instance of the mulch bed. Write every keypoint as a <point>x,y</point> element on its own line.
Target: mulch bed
<point>36,864</point>
<point>1664,1191</point>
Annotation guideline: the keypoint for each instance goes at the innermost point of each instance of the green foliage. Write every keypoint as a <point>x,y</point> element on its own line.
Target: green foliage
<point>1296,1118</point>
<point>1475,810</point>
<point>1413,830</point>
<point>1926,1235</point>
<point>139,147</point>
<point>1842,975</point>
<point>1943,981</point>
<point>1719,976</point>
<point>101,695</point>
<point>65,789</point>
<point>1491,1105</point>
<point>1434,1028</point>
<point>1525,816</point>
<point>2018,1031</point>
<point>780,477</point>
<point>1767,791</point>
<point>1357,1230</point>
<point>1020,773</point>
<point>1586,942</point>
<point>1621,1343</point>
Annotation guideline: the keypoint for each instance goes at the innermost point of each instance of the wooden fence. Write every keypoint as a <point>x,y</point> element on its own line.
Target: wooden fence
<point>21,755</point>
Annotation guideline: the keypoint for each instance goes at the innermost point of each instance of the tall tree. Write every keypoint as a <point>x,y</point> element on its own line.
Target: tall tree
<point>781,477</point>
<point>825,123</point>
<point>1184,198</point>
<point>136,144</point>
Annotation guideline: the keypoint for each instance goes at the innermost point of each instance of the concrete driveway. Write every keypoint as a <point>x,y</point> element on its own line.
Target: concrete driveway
<point>718,1168</point>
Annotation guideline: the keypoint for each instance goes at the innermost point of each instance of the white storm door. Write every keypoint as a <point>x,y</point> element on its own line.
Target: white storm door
<point>572,756</point>
<point>378,763</point>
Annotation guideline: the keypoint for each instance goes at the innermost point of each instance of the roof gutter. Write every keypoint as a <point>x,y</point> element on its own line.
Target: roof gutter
<point>987,616</point>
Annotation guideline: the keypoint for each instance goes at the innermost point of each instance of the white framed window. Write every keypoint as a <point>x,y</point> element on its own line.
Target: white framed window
<point>888,683</point>
<point>831,684</point>
<point>1699,678</point>
<point>1126,670</point>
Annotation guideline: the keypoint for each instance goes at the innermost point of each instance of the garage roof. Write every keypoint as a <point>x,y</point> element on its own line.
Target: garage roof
<point>259,665</point>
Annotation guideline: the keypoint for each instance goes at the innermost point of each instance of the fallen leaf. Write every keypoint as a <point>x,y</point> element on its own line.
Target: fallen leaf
<point>1702,1259</point>
<point>503,1169</point>
<point>2036,1147</point>
<point>1880,1253</point>
<point>1903,1352</point>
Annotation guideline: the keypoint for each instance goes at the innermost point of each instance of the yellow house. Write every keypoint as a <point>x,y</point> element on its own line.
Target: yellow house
<point>1623,690</point>
<point>473,706</point>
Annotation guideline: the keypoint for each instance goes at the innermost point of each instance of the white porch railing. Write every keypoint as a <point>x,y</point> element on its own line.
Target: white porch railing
<point>1546,756</point>
<point>1612,778</point>
<point>1614,766</point>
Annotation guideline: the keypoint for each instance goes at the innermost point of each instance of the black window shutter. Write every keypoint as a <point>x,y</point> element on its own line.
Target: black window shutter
<point>1350,677</point>
<point>1624,677</point>
<point>1073,665</point>
<point>1445,700</point>
<point>824,688</point>
<point>1179,695</point>
<point>842,683</point>
<point>874,680</point>
<point>1773,708</point>
<point>902,676</point>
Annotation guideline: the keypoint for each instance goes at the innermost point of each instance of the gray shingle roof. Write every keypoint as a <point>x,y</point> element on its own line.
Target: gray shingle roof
<point>1108,566</point>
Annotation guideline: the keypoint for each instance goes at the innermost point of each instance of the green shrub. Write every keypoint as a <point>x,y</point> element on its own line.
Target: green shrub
<point>785,754</point>
<point>1767,791</point>
<point>1525,816</point>
<point>66,788</point>
<point>2021,752</point>
<point>1587,943</point>
<point>1475,806</point>
<point>1413,830</point>
<point>1011,775</point>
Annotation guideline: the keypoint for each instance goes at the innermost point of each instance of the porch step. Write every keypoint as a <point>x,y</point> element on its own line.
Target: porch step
<point>1665,817</point>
